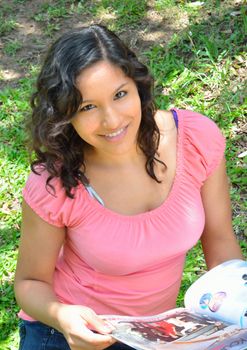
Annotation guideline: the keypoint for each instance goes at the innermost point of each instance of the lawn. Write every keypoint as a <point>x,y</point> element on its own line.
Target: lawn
<point>197,54</point>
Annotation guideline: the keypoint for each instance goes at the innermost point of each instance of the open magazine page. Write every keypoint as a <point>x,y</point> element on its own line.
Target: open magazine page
<point>237,341</point>
<point>175,329</point>
<point>215,317</point>
<point>221,293</point>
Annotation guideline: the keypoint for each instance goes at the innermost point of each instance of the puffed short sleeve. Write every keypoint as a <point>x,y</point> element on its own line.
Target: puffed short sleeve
<point>204,145</point>
<point>52,206</point>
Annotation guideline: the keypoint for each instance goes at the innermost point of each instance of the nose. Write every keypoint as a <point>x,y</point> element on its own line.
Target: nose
<point>111,118</point>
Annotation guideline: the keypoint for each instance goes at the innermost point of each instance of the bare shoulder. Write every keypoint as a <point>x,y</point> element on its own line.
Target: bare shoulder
<point>164,120</point>
<point>167,128</point>
<point>168,137</point>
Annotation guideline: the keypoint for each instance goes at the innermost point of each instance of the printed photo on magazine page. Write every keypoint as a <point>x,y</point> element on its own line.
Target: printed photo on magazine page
<point>176,329</point>
<point>214,317</point>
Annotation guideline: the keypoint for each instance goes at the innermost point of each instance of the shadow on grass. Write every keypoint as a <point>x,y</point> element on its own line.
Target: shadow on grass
<point>202,43</point>
<point>221,36</point>
<point>128,20</point>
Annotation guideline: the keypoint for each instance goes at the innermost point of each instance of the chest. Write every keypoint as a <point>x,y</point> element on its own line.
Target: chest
<point>133,193</point>
<point>131,190</point>
<point>115,244</point>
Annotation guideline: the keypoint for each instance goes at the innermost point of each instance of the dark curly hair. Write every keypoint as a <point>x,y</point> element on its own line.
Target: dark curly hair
<point>57,146</point>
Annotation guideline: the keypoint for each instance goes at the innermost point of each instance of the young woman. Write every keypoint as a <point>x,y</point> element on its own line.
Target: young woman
<point>118,193</point>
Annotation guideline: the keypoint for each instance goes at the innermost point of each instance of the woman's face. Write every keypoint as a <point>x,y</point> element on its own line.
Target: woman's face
<point>110,114</point>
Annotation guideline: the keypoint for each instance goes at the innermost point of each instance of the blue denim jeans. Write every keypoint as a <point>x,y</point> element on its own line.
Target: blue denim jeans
<point>38,336</point>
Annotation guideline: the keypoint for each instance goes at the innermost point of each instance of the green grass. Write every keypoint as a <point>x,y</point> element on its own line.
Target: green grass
<point>12,47</point>
<point>116,14</point>
<point>198,71</point>
<point>50,12</point>
<point>201,67</point>
<point>9,309</point>
<point>49,16</point>
<point>13,170</point>
<point>127,13</point>
<point>7,25</point>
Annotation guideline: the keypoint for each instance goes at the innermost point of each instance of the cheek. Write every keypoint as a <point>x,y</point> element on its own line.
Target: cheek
<point>84,126</point>
<point>134,107</point>
<point>138,110</point>
<point>138,106</point>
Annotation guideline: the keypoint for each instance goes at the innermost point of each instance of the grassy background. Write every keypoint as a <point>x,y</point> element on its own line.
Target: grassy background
<point>202,66</point>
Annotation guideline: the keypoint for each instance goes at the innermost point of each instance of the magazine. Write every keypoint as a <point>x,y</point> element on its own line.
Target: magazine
<point>214,316</point>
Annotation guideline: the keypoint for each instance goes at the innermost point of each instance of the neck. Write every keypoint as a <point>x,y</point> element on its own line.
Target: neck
<point>110,160</point>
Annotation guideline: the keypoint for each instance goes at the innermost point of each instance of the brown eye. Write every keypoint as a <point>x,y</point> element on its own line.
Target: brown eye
<point>87,108</point>
<point>120,94</point>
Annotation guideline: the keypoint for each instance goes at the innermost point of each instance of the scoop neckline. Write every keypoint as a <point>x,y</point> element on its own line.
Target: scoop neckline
<point>167,200</point>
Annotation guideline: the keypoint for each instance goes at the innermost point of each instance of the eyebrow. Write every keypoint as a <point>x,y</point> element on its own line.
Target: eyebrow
<point>120,87</point>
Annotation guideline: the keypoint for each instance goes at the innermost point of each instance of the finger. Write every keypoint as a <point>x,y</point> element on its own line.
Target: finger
<point>91,340</point>
<point>97,323</point>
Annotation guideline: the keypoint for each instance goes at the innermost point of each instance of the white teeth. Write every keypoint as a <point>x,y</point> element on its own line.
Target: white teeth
<point>115,133</point>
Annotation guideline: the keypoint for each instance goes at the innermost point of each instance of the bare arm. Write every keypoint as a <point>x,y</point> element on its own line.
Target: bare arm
<point>218,240</point>
<point>39,248</point>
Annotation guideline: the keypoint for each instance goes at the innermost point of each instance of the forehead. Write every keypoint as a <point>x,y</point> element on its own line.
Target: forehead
<point>101,74</point>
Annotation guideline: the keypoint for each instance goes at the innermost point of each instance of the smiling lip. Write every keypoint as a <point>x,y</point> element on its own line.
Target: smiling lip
<point>117,135</point>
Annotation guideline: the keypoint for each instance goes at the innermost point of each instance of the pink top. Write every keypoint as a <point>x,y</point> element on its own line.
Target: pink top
<point>131,265</point>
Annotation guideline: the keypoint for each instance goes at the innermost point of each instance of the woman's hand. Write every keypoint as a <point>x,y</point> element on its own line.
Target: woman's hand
<point>77,324</point>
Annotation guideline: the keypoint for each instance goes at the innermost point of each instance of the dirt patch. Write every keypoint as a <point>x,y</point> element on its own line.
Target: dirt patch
<point>31,40</point>
<point>24,45</point>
